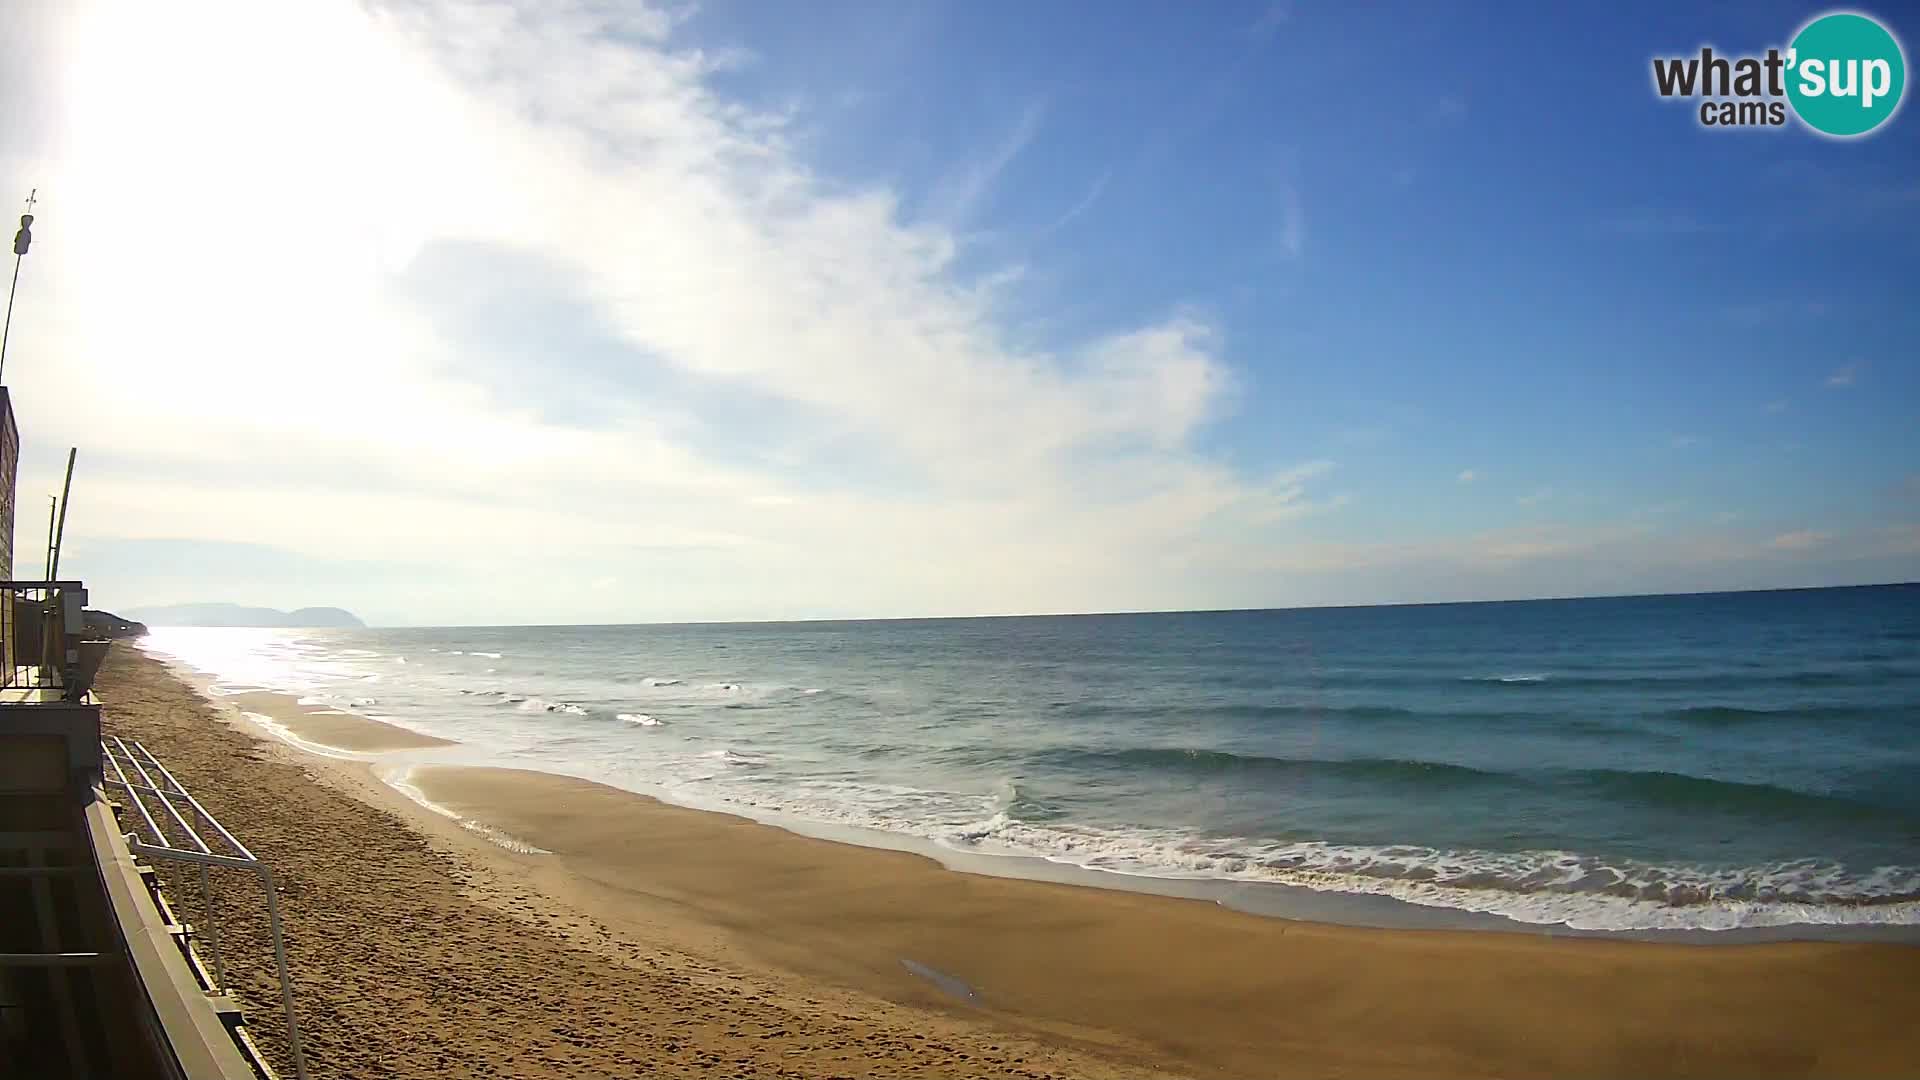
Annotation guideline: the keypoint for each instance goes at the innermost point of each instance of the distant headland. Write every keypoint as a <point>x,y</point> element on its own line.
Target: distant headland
<point>236,615</point>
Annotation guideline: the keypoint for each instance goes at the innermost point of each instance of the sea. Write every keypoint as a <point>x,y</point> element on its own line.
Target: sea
<point>1716,762</point>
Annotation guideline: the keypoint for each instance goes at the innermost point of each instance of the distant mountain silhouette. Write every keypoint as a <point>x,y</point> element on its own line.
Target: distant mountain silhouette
<point>235,615</point>
<point>108,625</point>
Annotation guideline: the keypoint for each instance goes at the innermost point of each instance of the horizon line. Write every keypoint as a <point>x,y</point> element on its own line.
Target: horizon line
<point>1031,614</point>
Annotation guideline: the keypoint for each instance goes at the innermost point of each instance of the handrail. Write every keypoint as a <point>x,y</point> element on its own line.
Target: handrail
<point>162,847</point>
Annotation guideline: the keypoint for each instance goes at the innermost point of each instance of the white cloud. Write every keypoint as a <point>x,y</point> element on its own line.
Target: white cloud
<point>1271,19</point>
<point>529,293</point>
<point>956,201</point>
<point>1467,476</point>
<point>1803,540</point>
<point>1844,376</point>
<point>1079,208</point>
<point>525,320</point>
<point>1774,408</point>
<point>1293,222</point>
<point>1450,109</point>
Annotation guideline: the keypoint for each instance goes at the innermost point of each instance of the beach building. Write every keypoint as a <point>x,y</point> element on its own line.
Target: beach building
<point>101,974</point>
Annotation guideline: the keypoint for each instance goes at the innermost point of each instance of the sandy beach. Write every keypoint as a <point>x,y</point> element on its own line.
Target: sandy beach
<point>328,728</point>
<point>638,938</point>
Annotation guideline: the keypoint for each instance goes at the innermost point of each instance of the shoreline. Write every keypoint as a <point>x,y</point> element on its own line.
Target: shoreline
<point>330,732</point>
<point>1148,978</point>
<point>421,947</point>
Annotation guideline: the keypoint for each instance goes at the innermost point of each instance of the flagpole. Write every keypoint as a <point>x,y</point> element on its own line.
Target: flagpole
<point>53,506</point>
<point>66,496</point>
<point>21,241</point>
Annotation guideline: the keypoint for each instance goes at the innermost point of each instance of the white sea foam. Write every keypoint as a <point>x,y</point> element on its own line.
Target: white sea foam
<point>1545,888</point>
<point>488,655</point>
<point>1534,887</point>
<point>401,780</point>
<point>284,734</point>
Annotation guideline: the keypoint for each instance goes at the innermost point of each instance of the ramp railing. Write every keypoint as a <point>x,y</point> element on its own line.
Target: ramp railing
<point>178,829</point>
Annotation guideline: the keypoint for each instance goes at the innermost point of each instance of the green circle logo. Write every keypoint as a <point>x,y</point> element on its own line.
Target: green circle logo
<point>1846,74</point>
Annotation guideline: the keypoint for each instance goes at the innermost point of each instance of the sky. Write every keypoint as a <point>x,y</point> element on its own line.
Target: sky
<point>564,312</point>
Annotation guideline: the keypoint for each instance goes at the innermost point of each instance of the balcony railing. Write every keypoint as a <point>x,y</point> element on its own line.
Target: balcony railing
<point>45,650</point>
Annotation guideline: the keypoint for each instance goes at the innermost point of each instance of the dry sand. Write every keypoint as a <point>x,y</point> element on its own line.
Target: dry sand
<point>660,941</point>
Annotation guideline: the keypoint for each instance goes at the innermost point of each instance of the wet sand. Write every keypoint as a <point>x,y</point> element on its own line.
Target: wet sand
<point>664,941</point>
<point>329,727</point>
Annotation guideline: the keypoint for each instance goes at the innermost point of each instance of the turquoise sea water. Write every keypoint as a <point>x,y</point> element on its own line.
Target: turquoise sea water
<point>1684,762</point>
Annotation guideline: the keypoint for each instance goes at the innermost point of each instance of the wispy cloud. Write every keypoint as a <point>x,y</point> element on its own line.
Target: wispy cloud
<point>1684,442</point>
<point>1364,435</point>
<point>1293,221</point>
<point>1286,494</point>
<point>597,314</point>
<point>1660,509</point>
<point>1270,20</point>
<point>959,196</point>
<point>1775,407</point>
<point>1535,497</point>
<point>756,384</point>
<point>1450,109</point>
<point>1845,376</point>
<point>1086,203</point>
<point>1467,476</point>
<point>1653,221</point>
<point>1802,540</point>
<point>1832,193</point>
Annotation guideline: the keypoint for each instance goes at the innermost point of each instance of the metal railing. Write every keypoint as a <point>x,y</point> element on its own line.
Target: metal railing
<point>169,813</point>
<point>42,632</point>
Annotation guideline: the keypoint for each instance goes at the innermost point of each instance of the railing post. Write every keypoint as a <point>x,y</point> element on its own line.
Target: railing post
<point>286,980</point>
<point>213,933</point>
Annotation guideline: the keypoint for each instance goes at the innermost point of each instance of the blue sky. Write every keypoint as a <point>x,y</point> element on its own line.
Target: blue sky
<point>759,310</point>
<point>1536,270</point>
